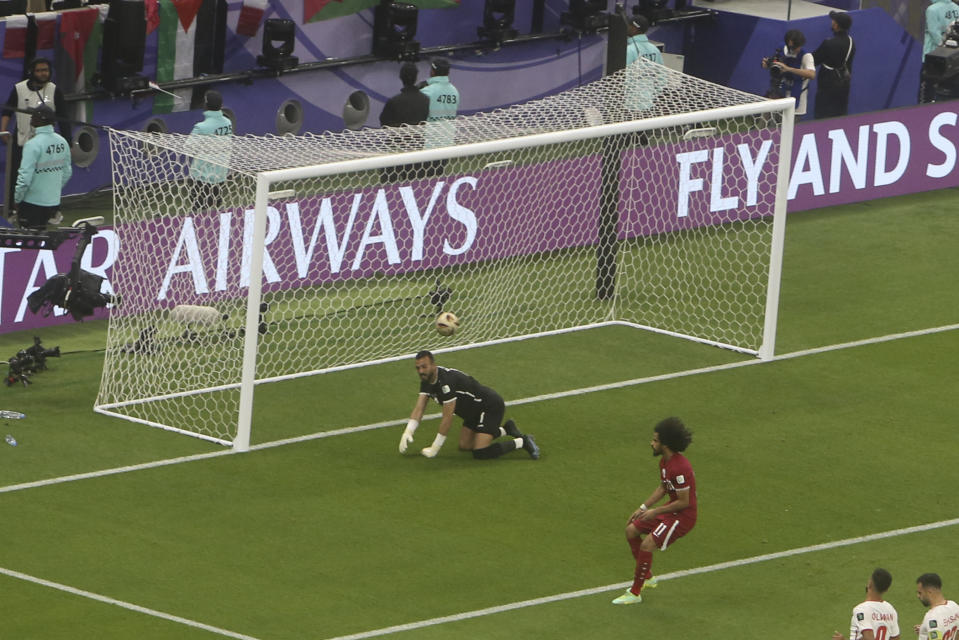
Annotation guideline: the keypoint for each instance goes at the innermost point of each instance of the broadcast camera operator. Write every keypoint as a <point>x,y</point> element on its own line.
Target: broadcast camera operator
<point>790,71</point>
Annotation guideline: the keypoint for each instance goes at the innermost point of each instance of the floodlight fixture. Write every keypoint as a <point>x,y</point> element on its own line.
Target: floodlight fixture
<point>498,20</point>
<point>587,16</point>
<point>394,31</point>
<point>279,38</point>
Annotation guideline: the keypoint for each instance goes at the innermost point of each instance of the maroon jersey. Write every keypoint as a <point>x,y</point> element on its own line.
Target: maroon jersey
<point>678,474</point>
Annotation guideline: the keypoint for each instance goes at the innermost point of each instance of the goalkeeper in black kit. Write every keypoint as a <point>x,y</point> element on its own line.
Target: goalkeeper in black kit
<point>481,409</point>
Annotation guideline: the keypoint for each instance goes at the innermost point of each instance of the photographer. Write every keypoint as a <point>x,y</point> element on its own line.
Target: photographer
<point>790,71</point>
<point>835,56</point>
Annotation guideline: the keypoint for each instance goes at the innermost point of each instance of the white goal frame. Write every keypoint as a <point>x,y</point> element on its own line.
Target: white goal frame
<point>265,193</point>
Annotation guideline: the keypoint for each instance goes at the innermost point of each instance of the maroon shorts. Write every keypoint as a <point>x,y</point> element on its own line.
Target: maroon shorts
<point>665,528</point>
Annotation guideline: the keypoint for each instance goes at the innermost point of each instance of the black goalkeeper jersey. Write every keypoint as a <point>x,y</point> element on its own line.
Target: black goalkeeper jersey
<point>471,397</point>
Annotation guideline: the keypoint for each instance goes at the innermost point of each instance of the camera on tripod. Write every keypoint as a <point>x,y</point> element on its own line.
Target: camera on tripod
<point>29,361</point>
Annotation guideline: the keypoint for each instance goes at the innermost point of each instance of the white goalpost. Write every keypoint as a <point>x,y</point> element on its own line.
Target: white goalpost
<point>649,199</point>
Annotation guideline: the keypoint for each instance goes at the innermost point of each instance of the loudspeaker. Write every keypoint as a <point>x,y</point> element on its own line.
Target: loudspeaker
<point>124,40</point>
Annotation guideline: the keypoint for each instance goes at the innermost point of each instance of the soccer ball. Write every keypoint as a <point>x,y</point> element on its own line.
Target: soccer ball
<point>447,323</point>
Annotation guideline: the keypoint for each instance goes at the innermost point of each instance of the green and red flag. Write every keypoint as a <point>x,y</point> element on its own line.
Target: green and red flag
<point>46,31</point>
<point>15,37</point>
<point>251,15</point>
<point>176,46</point>
<point>81,34</point>
<point>314,10</point>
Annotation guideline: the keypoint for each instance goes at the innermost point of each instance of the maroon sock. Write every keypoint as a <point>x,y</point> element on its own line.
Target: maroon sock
<point>644,563</point>
<point>634,544</point>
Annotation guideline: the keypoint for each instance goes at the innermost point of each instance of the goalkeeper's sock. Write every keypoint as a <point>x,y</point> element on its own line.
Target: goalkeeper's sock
<point>509,427</point>
<point>495,450</point>
<point>644,563</point>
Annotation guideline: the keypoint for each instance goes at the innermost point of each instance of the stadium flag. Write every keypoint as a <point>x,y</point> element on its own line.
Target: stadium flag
<point>15,38</point>
<point>75,58</point>
<point>152,10</point>
<point>11,68</point>
<point>251,14</point>
<point>46,31</point>
<point>176,47</point>
<point>314,10</point>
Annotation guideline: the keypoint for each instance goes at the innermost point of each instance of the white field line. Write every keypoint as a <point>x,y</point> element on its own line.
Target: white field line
<point>502,608</point>
<point>125,605</point>
<point>721,566</point>
<point>532,399</point>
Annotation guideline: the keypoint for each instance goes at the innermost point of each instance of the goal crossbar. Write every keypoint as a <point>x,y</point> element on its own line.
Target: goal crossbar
<point>661,210</point>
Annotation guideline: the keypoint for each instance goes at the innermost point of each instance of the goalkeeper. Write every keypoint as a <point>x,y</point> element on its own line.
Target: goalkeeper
<point>481,409</point>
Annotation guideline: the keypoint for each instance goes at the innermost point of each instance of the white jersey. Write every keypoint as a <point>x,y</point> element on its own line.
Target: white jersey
<point>941,622</point>
<point>879,617</point>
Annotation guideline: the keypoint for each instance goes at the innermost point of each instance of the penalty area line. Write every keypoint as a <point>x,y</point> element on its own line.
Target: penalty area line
<point>125,605</point>
<point>720,566</point>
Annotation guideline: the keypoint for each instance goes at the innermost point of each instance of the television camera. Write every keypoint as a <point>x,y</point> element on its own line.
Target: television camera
<point>29,361</point>
<point>78,291</point>
<point>780,83</point>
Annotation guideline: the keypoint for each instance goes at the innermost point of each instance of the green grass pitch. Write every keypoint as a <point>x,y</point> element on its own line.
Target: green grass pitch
<point>341,536</point>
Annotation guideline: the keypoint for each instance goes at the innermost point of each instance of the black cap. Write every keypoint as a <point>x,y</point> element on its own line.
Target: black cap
<point>441,66</point>
<point>42,115</point>
<point>640,22</point>
<point>842,19</point>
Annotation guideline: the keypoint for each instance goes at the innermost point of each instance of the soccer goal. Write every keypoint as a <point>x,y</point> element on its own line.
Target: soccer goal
<point>649,198</point>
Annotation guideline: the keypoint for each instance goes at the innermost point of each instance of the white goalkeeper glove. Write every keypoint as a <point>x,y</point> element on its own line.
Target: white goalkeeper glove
<point>433,449</point>
<point>407,438</point>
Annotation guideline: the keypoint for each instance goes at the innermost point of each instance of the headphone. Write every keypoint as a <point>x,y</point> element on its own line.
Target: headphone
<point>35,62</point>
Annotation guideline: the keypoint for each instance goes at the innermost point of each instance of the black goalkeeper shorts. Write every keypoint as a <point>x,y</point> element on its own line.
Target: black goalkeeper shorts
<point>489,419</point>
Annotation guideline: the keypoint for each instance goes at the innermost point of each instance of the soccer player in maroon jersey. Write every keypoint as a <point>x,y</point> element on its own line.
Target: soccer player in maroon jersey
<point>654,527</point>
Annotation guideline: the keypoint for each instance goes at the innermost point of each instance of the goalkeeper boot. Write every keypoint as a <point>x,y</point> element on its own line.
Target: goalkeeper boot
<point>510,428</point>
<point>628,598</point>
<point>530,445</point>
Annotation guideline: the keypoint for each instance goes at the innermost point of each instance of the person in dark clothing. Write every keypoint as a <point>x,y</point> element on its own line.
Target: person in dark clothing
<point>834,57</point>
<point>481,408</point>
<point>409,106</point>
<point>37,90</point>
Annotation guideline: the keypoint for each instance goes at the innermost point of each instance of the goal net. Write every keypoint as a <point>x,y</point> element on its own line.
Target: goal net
<point>648,198</point>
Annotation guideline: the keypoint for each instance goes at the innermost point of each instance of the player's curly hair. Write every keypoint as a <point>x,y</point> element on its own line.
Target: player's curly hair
<point>674,434</point>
